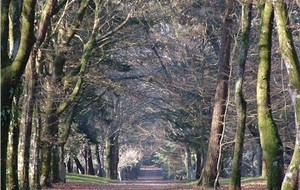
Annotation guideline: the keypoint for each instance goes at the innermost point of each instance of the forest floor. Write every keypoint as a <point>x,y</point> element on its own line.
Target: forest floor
<point>150,178</point>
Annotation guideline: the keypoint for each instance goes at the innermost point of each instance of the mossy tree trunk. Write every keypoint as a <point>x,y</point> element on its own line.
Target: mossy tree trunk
<point>269,137</point>
<point>49,135</point>
<point>31,84</point>
<point>12,67</point>
<point>241,104</point>
<point>54,109</point>
<point>209,171</point>
<point>289,55</point>
<point>12,164</point>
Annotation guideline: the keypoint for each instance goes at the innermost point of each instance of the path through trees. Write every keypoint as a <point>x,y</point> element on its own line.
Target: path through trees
<point>150,178</point>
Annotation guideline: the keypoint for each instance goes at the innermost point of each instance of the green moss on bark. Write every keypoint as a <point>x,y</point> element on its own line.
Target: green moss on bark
<point>289,55</point>
<point>269,137</point>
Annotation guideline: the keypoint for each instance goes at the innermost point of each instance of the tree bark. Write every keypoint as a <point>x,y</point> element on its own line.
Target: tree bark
<point>112,157</point>
<point>13,178</point>
<point>37,148</point>
<point>90,161</point>
<point>28,103</point>
<point>209,170</point>
<point>12,69</point>
<point>241,104</point>
<point>54,109</point>
<point>31,87</point>
<point>269,137</point>
<point>291,60</point>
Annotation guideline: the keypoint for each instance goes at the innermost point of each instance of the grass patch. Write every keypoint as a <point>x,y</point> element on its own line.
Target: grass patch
<point>244,180</point>
<point>72,177</point>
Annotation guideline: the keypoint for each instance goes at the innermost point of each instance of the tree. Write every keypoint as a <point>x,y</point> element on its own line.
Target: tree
<point>31,84</point>
<point>12,164</point>
<point>13,65</point>
<point>291,60</point>
<point>241,104</point>
<point>269,137</point>
<point>209,170</point>
<point>95,38</point>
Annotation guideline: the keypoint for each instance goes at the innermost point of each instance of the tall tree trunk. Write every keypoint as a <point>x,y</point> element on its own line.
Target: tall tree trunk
<point>289,55</point>
<point>31,84</point>
<point>37,148</point>
<point>12,69</point>
<point>50,130</point>
<point>269,137</point>
<point>29,101</point>
<point>241,104</point>
<point>13,178</point>
<point>14,159</point>
<point>49,138</point>
<point>112,157</point>
<point>46,166</point>
<point>209,170</point>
